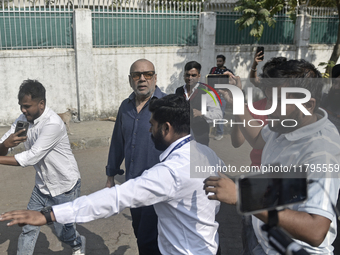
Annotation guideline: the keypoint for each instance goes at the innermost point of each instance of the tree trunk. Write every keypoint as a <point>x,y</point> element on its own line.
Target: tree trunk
<point>336,50</point>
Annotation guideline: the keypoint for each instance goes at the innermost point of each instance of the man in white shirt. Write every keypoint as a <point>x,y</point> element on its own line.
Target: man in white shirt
<point>313,142</point>
<point>48,150</point>
<point>192,91</point>
<point>186,217</point>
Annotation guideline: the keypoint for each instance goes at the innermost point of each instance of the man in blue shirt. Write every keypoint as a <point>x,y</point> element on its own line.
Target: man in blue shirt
<point>131,140</point>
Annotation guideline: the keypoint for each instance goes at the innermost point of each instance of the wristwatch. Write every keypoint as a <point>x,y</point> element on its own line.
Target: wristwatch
<point>46,211</point>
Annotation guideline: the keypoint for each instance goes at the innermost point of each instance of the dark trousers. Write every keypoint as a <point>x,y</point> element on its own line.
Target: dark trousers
<point>144,223</point>
<point>219,251</point>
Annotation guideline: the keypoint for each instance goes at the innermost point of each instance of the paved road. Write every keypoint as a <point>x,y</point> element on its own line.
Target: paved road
<point>112,236</point>
<point>105,236</point>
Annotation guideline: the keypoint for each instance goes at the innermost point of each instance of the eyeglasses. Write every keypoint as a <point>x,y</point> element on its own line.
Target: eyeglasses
<point>147,75</point>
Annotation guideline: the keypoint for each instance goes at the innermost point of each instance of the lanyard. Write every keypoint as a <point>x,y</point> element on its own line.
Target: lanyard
<point>179,145</point>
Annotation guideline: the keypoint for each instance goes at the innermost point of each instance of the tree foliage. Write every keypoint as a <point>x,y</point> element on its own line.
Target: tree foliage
<point>256,13</point>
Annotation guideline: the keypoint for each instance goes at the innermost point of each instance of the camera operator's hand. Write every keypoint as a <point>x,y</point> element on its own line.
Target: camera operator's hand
<point>234,80</point>
<point>14,139</point>
<point>224,189</point>
<point>257,59</point>
<point>196,113</point>
<point>254,79</point>
<point>229,74</point>
<point>110,182</point>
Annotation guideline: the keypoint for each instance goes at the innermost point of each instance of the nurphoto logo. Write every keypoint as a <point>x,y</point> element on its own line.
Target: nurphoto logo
<point>238,105</point>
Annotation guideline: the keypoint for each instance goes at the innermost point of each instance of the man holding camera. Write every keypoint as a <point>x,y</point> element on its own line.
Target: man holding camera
<point>48,150</point>
<point>221,69</point>
<point>313,142</point>
<point>131,141</point>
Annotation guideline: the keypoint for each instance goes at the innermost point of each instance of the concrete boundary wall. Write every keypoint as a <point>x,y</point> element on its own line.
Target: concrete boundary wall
<point>95,81</point>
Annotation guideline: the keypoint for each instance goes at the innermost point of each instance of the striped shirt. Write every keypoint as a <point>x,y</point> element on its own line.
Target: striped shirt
<point>317,143</point>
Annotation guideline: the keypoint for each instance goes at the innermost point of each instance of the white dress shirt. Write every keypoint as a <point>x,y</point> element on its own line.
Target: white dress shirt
<point>48,150</point>
<point>186,217</point>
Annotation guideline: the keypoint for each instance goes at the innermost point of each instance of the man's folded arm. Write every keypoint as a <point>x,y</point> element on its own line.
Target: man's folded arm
<point>48,138</point>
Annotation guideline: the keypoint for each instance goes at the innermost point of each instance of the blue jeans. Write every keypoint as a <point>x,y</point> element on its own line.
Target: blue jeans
<point>66,233</point>
<point>220,127</point>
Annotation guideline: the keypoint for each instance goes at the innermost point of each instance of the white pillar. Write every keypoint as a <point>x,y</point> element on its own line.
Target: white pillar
<point>86,86</point>
<point>206,41</point>
<point>302,35</point>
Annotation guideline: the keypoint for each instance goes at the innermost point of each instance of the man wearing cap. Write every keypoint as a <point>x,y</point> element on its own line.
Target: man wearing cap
<point>331,101</point>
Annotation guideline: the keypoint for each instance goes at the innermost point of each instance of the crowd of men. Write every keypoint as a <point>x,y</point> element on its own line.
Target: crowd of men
<point>173,213</point>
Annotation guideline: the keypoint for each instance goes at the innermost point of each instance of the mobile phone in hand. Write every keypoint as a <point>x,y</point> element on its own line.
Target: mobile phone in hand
<point>22,125</point>
<point>268,191</point>
<point>260,48</point>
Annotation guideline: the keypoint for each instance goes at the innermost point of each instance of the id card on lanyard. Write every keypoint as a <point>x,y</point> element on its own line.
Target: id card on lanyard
<point>179,145</point>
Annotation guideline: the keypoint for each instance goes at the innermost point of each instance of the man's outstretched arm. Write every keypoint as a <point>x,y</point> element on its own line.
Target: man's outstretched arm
<point>100,204</point>
<point>3,149</point>
<point>106,202</point>
<point>8,160</point>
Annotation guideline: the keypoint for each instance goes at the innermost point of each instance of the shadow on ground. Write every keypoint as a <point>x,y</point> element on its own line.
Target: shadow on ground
<point>94,243</point>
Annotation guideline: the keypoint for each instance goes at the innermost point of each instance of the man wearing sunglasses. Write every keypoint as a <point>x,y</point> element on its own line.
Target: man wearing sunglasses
<point>193,91</point>
<point>131,141</point>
